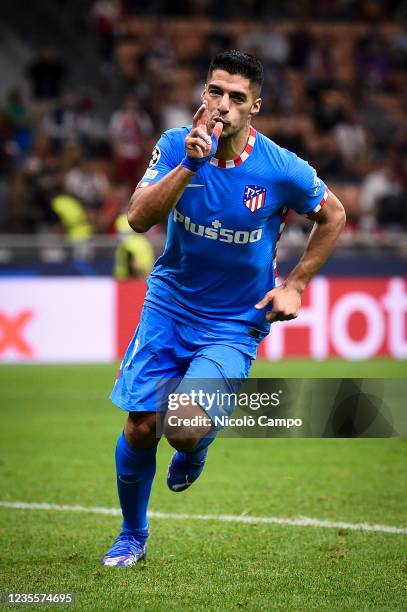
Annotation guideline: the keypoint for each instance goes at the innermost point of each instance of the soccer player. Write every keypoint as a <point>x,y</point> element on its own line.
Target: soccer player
<point>225,189</point>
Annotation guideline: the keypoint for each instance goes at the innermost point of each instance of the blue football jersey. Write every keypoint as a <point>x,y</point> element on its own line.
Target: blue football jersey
<point>219,259</point>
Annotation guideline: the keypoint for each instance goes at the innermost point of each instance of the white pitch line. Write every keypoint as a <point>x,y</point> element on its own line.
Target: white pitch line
<point>301,521</point>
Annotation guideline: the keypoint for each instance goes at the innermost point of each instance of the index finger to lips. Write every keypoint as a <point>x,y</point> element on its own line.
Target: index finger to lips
<point>217,130</point>
<point>197,120</point>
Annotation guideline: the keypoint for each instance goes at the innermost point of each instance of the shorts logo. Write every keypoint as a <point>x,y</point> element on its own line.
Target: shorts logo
<point>155,157</point>
<point>254,197</point>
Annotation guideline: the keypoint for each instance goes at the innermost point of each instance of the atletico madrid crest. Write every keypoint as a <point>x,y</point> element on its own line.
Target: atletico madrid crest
<point>254,197</point>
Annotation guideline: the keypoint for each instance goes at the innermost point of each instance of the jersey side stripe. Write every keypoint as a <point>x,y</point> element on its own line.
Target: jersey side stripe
<point>322,202</point>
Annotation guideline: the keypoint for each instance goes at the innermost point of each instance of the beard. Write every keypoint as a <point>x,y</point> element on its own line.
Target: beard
<point>229,131</point>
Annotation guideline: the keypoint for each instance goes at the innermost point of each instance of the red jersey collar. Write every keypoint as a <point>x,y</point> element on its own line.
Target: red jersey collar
<point>231,163</point>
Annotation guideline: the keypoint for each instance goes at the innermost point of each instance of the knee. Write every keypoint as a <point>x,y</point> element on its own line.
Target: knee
<point>182,442</point>
<point>140,429</point>
<point>189,426</point>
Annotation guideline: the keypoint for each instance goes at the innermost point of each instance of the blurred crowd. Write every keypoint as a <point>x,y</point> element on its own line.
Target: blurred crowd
<point>335,92</point>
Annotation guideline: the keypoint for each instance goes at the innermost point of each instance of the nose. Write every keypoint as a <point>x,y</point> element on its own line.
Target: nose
<point>224,104</point>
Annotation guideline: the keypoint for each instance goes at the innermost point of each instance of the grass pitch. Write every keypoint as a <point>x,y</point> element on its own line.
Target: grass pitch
<point>58,433</point>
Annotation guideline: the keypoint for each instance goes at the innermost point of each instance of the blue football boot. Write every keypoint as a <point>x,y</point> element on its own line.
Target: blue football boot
<point>126,550</point>
<point>184,469</point>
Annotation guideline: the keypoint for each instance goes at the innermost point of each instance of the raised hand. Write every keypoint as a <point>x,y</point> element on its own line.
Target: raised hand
<point>201,142</point>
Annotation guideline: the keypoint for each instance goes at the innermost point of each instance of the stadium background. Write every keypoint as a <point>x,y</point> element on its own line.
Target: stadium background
<point>86,88</point>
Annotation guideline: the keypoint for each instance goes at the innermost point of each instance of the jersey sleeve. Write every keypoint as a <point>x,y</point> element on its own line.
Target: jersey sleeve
<point>306,192</point>
<point>165,156</point>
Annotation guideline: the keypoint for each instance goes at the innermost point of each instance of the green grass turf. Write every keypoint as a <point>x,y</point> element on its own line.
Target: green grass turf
<point>57,434</point>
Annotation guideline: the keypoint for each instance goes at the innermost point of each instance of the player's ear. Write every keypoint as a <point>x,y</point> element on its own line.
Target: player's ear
<point>203,93</point>
<point>255,109</point>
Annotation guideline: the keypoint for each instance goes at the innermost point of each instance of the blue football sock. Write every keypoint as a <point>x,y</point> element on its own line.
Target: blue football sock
<point>198,452</point>
<point>135,474</point>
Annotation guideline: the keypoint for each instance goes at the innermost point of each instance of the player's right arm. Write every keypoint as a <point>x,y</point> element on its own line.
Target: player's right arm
<point>152,205</point>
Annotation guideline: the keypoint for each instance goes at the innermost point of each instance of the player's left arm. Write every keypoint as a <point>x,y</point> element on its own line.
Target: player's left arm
<point>285,300</point>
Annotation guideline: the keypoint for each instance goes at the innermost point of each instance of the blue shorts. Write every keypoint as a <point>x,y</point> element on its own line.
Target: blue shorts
<point>166,354</point>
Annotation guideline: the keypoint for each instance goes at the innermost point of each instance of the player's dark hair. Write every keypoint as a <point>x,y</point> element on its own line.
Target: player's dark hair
<point>238,62</point>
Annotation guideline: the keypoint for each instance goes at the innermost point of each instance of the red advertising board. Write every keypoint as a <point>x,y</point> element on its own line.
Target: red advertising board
<point>92,320</point>
<point>351,318</point>
<point>129,302</point>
